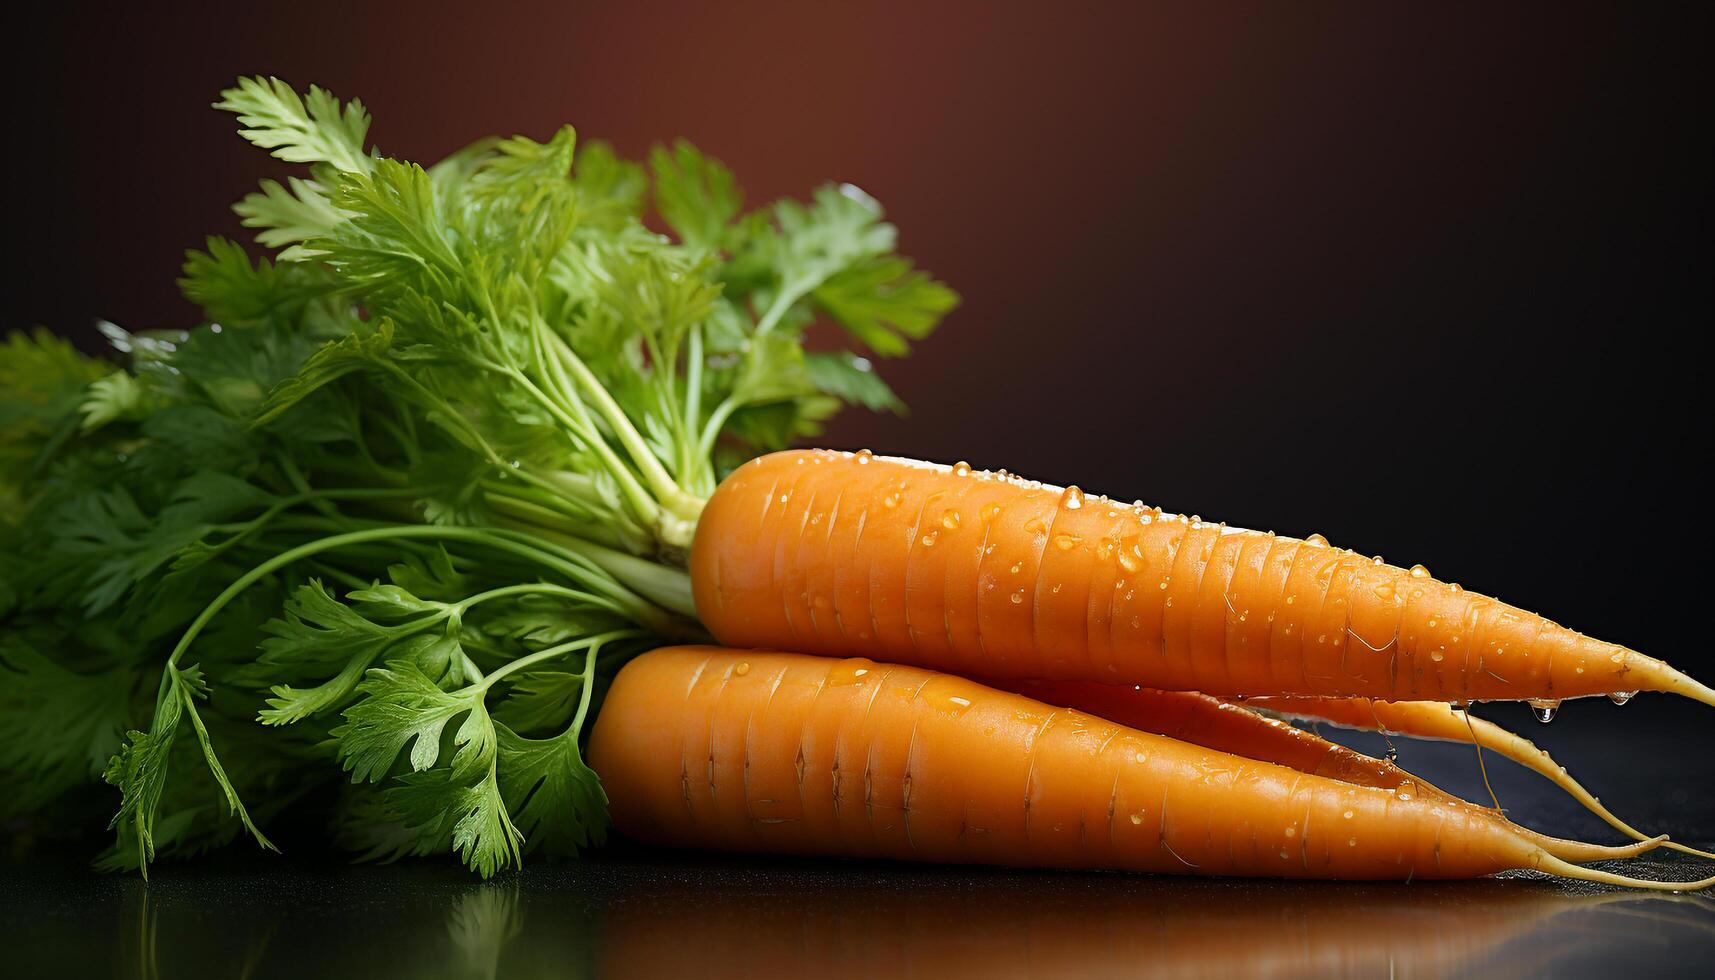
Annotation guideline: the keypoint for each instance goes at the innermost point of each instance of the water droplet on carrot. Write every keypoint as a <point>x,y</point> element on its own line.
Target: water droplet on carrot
<point>1130,555</point>
<point>1544,708</point>
<point>1384,591</point>
<point>1456,587</point>
<point>928,540</point>
<point>1035,526</point>
<point>1136,818</point>
<point>1418,571</point>
<point>1317,540</point>
<point>862,457</point>
<point>890,501</point>
<point>1017,566</point>
<point>1066,542</point>
<point>1348,814</point>
<point>1292,831</point>
<point>990,512</point>
<point>1018,597</point>
<point>1621,697</point>
<point>1437,656</point>
<point>1072,498</point>
<point>950,520</point>
<point>961,468</point>
<point>742,669</point>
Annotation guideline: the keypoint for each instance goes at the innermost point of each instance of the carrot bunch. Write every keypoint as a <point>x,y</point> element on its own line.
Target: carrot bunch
<point>429,486</point>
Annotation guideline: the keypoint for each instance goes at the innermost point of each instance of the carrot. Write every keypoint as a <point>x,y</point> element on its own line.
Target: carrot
<point>989,575</point>
<point>743,750</point>
<point>1237,730</point>
<point>1442,722</point>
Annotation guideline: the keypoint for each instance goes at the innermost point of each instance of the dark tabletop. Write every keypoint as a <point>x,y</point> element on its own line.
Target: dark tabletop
<point>627,912</point>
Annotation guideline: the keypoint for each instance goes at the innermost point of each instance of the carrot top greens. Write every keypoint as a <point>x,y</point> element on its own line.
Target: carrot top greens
<point>413,489</point>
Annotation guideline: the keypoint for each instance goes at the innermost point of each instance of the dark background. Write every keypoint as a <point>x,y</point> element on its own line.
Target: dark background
<point>1428,280</point>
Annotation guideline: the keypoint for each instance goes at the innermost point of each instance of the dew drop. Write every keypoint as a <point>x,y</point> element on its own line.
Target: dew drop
<point>1035,526</point>
<point>990,512</point>
<point>1348,814</point>
<point>1072,499</point>
<point>1292,831</point>
<point>1066,542</point>
<point>742,669</point>
<point>1384,591</point>
<point>1351,842</point>
<point>1544,709</point>
<point>890,501</point>
<point>1621,697</point>
<point>1136,819</point>
<point>862,457</point>
<point>1130,556</point>
<point>928,540</point>
<point>1418,571</point>
<point>1317,540</point>
<point>1284,855</point>
<point>1437,656</point>
<point>1018,597</point>
<point>961,468</point>
<point>950,520</point>
<point>1017,566</point>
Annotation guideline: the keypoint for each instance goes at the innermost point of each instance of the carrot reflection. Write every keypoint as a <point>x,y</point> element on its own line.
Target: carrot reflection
<point>1101,927</point>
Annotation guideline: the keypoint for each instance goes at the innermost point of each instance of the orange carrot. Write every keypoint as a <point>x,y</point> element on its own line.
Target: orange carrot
<point>988,575</point>
<point>1237,730</point>
<point>726,749</point>
<point>1442,722</point>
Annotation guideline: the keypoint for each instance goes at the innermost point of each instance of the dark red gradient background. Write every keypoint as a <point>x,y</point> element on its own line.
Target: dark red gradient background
<point>1427,279</point>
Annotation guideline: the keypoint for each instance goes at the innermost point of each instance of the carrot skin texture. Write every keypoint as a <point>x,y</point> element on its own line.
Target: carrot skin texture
<point>743,750</point>
<point>995,576</point>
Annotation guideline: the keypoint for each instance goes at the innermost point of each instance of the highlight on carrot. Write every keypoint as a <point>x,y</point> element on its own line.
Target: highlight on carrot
<point>751,750</point>
<point>987,574</point>
<point>1447,723</point>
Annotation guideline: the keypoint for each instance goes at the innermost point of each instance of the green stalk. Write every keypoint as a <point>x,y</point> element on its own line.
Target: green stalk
<point>669,493</point>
